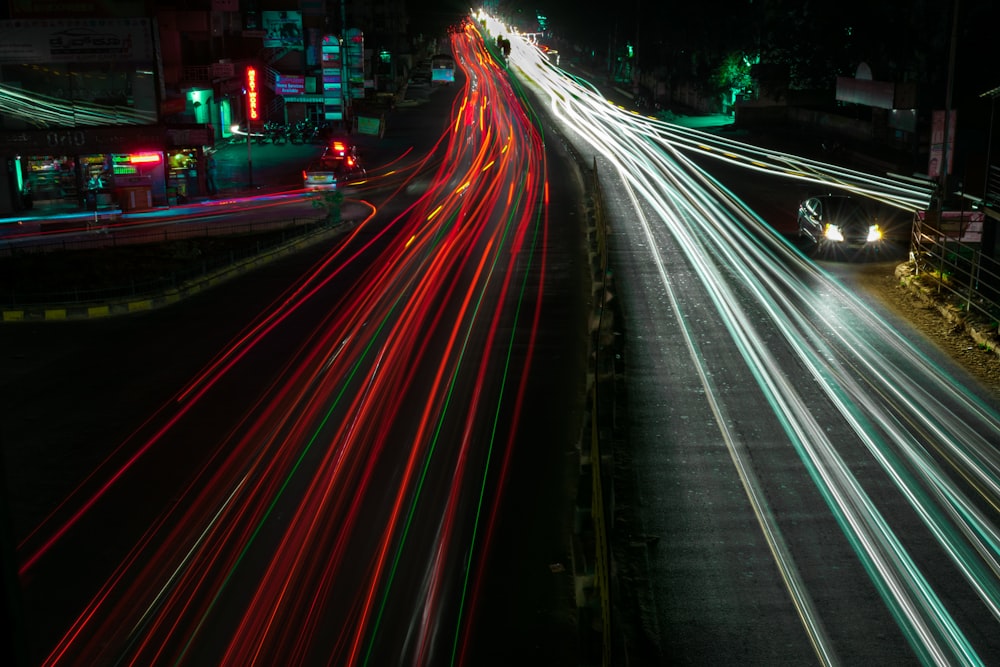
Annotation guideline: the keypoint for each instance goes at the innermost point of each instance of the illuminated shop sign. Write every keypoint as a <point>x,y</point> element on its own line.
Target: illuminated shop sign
<point>289,84</point>
<point>252,93</point>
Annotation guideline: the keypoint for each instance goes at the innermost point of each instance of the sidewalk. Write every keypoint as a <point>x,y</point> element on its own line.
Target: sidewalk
<point>272,170</point>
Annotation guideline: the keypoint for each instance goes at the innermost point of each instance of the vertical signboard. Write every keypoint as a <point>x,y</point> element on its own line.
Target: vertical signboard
<point>253,108</point>
<point>354,45</point>
<point>940,159</point>
<point>332,85</point>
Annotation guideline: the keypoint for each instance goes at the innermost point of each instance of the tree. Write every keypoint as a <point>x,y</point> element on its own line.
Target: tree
<point>732,75</point>
<point>330,202</point>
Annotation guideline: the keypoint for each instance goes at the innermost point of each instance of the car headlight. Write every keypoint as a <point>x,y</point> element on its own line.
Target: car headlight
<point>874,234</point>
<point>833,233</point>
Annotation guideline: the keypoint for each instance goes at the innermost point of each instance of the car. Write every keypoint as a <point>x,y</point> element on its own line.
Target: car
<point>335,168</point>
<point>343,158</point>
<point>829,222</point>
<point>319,176</point>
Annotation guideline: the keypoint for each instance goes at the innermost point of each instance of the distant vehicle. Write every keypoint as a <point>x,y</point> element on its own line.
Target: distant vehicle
<point>344,159</point>
<point>550,53</point>
<point>319,176</point>
<point>838,221</point>
<point>442,68</point>
<point>339,147</point>
<point>339,165</point>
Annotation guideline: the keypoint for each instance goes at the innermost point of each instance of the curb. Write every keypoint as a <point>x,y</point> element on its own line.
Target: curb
<point>145,303</point>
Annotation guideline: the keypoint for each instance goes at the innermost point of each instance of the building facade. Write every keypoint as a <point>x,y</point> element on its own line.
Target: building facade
<point>120,102</point>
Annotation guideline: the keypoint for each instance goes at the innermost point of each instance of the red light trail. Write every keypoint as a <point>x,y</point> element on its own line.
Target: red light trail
<point>346,518</point>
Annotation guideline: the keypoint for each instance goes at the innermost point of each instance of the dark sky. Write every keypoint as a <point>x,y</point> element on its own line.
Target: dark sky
<point>593,22</point>
<point>432,17</point>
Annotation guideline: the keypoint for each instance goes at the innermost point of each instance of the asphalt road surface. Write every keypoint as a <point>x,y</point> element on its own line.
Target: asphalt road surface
<point>113,394</point>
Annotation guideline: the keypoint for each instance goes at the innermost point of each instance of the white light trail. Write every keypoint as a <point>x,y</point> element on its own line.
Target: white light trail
<point>934,441</point>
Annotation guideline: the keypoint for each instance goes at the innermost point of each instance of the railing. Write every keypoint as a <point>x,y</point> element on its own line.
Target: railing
<point>952,258</point>
<point>269,76</point>
<point>242,241</point>
<point>602,424</point>
<point>276,110</point>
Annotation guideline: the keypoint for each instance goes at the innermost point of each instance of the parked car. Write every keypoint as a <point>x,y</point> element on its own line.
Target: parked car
<point>838,221</point>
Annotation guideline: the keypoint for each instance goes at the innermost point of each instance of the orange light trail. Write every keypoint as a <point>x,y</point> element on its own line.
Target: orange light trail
<point>332,522</point>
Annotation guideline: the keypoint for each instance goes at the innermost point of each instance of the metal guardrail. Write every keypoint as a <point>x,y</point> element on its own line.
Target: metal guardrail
<point>957,266</point>
<point>602,419</point>
<point>255,238</point>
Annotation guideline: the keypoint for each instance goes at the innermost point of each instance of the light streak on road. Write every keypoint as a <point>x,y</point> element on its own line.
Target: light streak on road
<point>347,516</point>
<point>848,391</point>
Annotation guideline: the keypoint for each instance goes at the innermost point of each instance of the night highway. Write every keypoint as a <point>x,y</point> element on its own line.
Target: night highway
<point>328,482</point>
<point>808,483</point>
<point>355,457</point>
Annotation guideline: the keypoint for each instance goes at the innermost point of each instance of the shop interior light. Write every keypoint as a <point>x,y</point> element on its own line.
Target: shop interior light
<point>143,158</point>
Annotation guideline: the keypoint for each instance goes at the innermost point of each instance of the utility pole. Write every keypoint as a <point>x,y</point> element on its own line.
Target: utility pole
<point>992,94</point>
<point>249,116</point>
<point>636,74</point>
<point>946,152</point>
<point>249,153</point>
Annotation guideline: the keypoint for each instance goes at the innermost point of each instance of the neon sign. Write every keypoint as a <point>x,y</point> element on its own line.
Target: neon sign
<point>252,93</point>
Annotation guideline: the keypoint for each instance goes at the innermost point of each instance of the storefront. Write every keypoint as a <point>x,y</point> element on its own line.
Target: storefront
<point>51,180</point>
<point>93,181</point>
<point>187,164</point>
<point>183,180</point>
<point>135,183</point>
<point>87,167</point>
<point>81,91</point>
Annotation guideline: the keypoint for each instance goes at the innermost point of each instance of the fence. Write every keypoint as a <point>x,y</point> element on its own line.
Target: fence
<point>229,245</point>
<point>948,248</point>
<point>602,425</point>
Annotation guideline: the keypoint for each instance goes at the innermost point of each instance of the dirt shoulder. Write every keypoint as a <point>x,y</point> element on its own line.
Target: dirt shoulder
<point>974,350</point>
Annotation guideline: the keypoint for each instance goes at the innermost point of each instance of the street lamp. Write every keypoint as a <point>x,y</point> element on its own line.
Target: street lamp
<point>236,130</point>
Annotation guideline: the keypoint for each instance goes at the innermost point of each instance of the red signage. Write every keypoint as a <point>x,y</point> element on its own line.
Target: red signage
<point>252,93</point>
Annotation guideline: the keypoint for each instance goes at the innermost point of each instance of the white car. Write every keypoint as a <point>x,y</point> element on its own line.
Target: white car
<point>320,176</point>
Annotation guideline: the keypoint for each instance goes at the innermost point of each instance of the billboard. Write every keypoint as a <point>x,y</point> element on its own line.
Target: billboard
<point>354,55</point>
<point>966,226</point>
<point>282,29</point>
<point>333,105</point>
<point>289,84</point>
<point>41,41</point>
<point>23,9</point>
